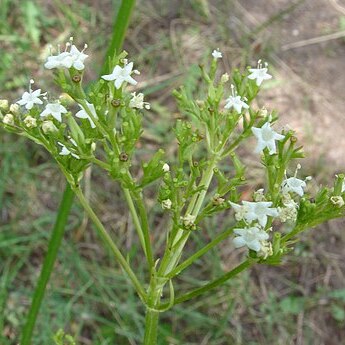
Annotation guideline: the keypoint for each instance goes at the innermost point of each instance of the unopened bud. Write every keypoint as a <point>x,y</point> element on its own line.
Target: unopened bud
<point>14,109</point>
<point>93,147</point>
<point>30,122</point>
<point>49,127</point>
<point>224,78</point>
<point>8,120</point>
<point>166,204</point>
<point>4,105</point>
<point>166,167</point>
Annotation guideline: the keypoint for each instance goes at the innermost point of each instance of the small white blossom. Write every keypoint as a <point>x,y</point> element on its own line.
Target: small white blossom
<point>67,59</point>
<point>29,99</point>
<point>78,57</point>
<point>266,249</point>
<point>82,114</point>
<point>121,75</point>
<point>166,167</point>
<point>166,204</point>
<point>8,120</point>
<point>62,60</point>
<point>251,237</point>
<point>251,211</point>
<point>235,102</point>
<point>266,138</point>
<point>54,109</point>
<point>137,101</point>
<point>260,73</point>
<point>66,152</point>
<point>294,184</point>
<point>217,54</point>
<point>30,122</point>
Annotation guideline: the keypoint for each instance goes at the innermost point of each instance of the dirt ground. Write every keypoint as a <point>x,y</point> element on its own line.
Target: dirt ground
<point>310,90</point>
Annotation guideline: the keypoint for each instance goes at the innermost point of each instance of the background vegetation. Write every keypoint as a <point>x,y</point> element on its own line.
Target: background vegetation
<point>300,302</point>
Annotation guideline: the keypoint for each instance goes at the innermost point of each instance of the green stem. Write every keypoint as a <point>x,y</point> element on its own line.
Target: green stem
<point>215,283</point>
<point>151,326</point>
<point>109,242</point>
<point>119,31</point>
<point>48,264</point>
<point>135,218</point>
<point>199,253</point>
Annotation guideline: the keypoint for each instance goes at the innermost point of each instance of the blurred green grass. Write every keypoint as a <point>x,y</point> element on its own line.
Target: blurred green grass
<point>87,292</point>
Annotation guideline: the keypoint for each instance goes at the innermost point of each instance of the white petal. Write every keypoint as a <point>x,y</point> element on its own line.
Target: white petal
<point>239,242</point>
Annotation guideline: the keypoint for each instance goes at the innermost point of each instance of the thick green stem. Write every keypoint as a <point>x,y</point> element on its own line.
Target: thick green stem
<point>151,326</point>
<point>48,264</point>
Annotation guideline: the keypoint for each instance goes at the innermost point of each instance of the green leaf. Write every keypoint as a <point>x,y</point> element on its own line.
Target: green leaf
<point>292,305</point>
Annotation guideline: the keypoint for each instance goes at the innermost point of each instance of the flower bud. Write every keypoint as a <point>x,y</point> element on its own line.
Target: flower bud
<point>93,147</point>
<point>48,127</point>
<point>4,105</point>
<point>166,167</point>
<point>15,109</point>
<point>166,204</point>
<point>337,201</point>
<point>30,122</point>
<point>224,78</point>
<point>8,120</point>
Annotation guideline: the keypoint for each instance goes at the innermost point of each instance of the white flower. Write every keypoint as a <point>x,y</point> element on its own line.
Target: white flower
<point>166,204</point>
<point>66,152</point>
<point>166,167</point>
<point>259,74</point>
<point>121,75</point>
<point>137,101</point>
<point>250,237</point>
<point>62,60</point>
<point>8,120</point>
<point>82,114</point>
<point>235,102</point>
<point>30,122</point>
<point>54,109</point>
<point>217,54</point>
<point>266,138</point>
<point>251,211</point>
<point>294,184</point>
<point>67,59</point>
<point>78,57</point>
<point>30,98</point>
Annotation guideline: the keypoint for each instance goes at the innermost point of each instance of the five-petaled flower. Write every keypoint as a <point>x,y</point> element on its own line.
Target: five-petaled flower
<point>260,73</point>
<point>121,75</point>
<point>251,211</point>
<point>251,237</point>
<point>235,102</point>
<point>266,138</point>
<point>55,110</point>
<point>83,114</point>
<point>217,54</point>
<point>29,99</point>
